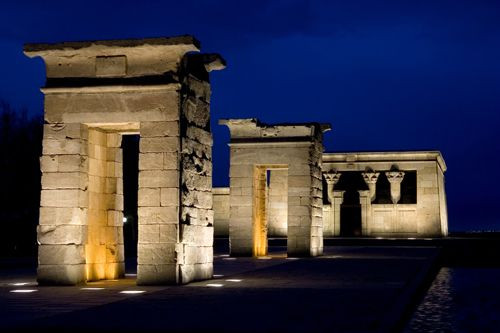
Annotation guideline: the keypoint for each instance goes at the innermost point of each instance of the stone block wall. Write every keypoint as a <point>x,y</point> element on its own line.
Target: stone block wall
<point>62,229</point>
<point>221,211</point>
<point>278,203</point>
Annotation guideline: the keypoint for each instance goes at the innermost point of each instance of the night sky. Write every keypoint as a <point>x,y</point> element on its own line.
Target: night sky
<point>402,75</point>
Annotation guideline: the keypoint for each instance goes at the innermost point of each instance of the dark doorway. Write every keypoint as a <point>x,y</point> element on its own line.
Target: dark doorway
<point>350,210</point>
<point>130,147</point>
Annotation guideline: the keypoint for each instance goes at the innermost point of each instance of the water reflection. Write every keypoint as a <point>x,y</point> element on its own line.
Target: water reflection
<point>460,300</point>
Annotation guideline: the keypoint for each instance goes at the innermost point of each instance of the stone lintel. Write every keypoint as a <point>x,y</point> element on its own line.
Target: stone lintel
<point>188,40</point>
<point>251,129</point>
<point>388,156</point>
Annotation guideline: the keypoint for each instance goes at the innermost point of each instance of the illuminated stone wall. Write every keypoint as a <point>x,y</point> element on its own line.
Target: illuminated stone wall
<point>427,217</point>
<point>96,92</point>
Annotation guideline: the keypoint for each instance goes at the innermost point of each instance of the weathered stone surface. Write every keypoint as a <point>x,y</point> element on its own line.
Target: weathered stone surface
<point>61,234</point>
<point>159,129</point>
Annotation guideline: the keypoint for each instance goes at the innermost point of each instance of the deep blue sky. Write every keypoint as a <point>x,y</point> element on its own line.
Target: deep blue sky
<point>388,75</point>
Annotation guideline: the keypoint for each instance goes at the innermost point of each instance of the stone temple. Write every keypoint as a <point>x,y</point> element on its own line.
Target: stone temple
<point>282,184</point>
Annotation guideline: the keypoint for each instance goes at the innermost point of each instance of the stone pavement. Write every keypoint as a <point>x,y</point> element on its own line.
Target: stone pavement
<point>355,289</point>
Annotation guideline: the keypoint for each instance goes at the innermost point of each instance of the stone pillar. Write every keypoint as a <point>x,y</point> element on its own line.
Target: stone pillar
<point>332,178</point>
<point>365,201</point>
<point>395,178</point>
<point>338,199</point>
<point>62,229</point>
<point>370,178</point>
<point>158,202</point>
<point>240,207</point>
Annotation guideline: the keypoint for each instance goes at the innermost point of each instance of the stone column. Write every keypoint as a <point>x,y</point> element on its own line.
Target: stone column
<point>158,202</point>
<point>62,229</point>
<point>338,199</point>
<point>332,178</point>
<point>365,201</point>
<point>395,178</point>
<point>370,178</point>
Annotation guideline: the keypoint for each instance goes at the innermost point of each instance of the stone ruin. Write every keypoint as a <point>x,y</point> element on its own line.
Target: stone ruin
<point>96,92</point>
<point>281,182</point>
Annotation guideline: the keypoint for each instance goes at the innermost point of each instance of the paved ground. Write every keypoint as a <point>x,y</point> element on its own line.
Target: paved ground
<point>354,289</point>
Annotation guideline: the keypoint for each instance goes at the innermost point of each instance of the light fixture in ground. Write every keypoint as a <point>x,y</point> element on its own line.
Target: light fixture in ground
<point>18,284</point>
<point>233,280</point>
<point>215,285</point>
<point>92,288</point>
<point>23,291</point>
<point>132,292</point>
<point>218,275</point>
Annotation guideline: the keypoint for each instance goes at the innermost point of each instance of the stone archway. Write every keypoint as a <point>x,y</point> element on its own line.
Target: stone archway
<point>95,92</point>
<point>256,148</point>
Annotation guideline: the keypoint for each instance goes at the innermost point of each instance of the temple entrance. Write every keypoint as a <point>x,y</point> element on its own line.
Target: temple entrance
<point>350,209</point>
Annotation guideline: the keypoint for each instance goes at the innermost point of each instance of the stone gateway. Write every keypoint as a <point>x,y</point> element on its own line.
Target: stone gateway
<point>96,92</point>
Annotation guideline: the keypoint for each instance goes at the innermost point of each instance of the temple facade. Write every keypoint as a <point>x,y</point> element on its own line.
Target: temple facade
<point>364,194</point>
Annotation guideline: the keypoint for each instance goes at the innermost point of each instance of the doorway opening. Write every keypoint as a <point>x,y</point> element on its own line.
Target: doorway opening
<point>350,209</point>
<point>130,149</point>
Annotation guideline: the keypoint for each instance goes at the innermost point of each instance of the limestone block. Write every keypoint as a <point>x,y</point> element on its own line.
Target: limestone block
<point>196,235</point>
<point>61,234</point>
<point>159,144</point>
<point>151,161</point>
<point>61,274</point>
<point>299,211</point>
<point>196,272</point>
<point>61,147</point>
<point>241,170</point>
<point>112,107</point>
<point>198,254</point>
<point>158,215</point>
<point>115,218</point>
<point>59,216</point>
<point>169,233</point>
<point>49,163</point>
<point>156,274</point>
<point>169,196</point>
<point>113,140</point>
<point>158,178</point>
<point>97,137</point>
<point>171,161</point>
<point>156,254</point>
<point>62,131</point>
<point>148,197</point>
<point>61,254</point>
<point>159,128</point>
<point>63,198</point>
<point>149,233</point>
<point>64,180</point>
<point>71,163</point>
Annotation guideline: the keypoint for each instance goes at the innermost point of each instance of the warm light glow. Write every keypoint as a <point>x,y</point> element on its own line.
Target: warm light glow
<point>411,238</point>
<point>23,291</point>
<point>132,291</point>
<point>92,288</point>
<point>215,285</point>
<point>130,274</point>
<point>259,212</point>
<point>380,237</point>
<point>233,280</point>
<point>264,258</point>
